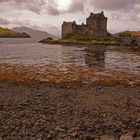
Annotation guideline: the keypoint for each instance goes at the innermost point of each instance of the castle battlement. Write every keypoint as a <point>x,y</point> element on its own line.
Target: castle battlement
<point>96,24</point>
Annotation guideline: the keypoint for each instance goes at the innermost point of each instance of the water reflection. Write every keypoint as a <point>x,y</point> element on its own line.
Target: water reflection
<point>95,57</point>
<point>123,59</point>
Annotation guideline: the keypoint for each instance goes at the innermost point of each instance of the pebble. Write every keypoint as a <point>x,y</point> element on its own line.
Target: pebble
<point>61,119</point>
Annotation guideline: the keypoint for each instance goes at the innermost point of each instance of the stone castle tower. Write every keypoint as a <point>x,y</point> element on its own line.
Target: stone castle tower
<point>96,24</point>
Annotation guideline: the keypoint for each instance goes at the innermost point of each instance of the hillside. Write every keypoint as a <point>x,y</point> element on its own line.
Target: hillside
<point>128,34</point>
<point>35,34</point>
<point>7,33</point>
<point>135,33</point>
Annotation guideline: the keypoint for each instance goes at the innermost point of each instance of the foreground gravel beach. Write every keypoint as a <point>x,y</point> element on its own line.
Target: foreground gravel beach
<point>75,112</point>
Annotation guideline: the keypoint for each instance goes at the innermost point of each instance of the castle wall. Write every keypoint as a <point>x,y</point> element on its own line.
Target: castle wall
<point>82,29</point>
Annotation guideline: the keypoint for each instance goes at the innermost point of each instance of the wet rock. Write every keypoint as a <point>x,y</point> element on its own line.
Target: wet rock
<point>136,134</point>
<point>105,137</point>
<point>50,137</point>
<point>127,137</point>
<point>59,129</point>
<point>39,94</point>
<point>89,137</point>
<point>138,119</point>
<point>74,135</point>
<point>137,138</point>
<point>117,130</point>
<point>12,138</point>
<point>91,130</point>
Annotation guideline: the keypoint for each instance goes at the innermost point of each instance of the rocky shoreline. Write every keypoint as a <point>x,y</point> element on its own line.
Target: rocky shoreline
<point>73,42</point>
<point>56,112</point>
<point>121,42</point>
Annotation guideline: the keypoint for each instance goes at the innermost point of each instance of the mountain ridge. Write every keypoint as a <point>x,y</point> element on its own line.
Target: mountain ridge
<point>35,34</point>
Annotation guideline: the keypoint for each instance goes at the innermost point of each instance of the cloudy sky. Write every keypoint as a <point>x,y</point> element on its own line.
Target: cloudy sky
<point>48,15</point>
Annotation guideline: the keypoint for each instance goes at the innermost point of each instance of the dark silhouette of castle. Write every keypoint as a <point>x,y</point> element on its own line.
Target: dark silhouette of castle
<point>96,24</point>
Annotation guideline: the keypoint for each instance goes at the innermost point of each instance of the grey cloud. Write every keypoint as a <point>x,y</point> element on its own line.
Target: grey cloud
<point>115,16</point>
<point>135,18</point>
<point>52,11</point>
<point>123,10</point>
<point>32,5</point>
<point>48,6</point>
<point>19,22</point>
<point>36,6</point>
<point>51,6</point>
<point>76,6</point>
<point>114,4</point>
<point>4,21</point>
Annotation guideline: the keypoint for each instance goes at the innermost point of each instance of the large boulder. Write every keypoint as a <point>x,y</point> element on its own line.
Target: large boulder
<point>138,42</point>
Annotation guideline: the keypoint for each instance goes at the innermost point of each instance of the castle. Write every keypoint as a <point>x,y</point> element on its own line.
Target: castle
<point>96,24</point>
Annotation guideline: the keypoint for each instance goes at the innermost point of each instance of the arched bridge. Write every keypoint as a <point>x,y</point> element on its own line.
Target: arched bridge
<point>129,41</point>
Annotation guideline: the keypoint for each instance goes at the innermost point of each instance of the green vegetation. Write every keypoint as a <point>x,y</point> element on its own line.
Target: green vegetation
<point>48,39</point>
<point>7,33</point>
<point>78,37</point>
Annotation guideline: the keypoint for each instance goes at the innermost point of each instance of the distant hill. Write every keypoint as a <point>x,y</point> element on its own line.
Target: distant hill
<point>35,34</point>
<point>7,33</point>
<point>128,34</point>
<point>135,33</point>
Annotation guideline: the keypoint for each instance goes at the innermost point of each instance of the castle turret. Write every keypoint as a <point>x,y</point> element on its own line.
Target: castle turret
<point>97,24</point>
<point>68,27</point>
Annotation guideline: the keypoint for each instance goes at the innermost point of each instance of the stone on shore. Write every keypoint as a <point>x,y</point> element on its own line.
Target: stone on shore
<point>138,138</point>
<point>105,137</point>
<point>138,119</point>
<point>126,137</point>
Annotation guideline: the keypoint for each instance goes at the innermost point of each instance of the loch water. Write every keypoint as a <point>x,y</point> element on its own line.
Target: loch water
<point>30,52</point>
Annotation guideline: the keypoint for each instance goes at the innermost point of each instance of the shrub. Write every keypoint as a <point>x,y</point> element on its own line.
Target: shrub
<point>78,37</point>
<point>49,38</point>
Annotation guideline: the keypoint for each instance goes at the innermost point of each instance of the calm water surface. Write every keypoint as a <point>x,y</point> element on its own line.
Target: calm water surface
<point>29,52</point>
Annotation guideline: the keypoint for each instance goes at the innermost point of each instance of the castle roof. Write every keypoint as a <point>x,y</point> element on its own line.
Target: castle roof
<point>96,15</point>
<point>70,23</point>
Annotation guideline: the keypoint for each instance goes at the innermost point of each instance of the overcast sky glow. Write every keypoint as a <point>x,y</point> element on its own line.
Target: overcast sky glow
<point>48,15</point>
